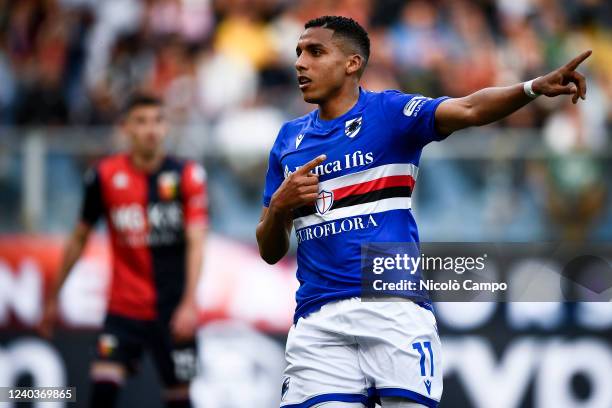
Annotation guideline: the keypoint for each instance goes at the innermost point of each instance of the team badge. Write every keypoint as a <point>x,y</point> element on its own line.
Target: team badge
<point>106,344</point>
<point>324,202</point>
<point>167,185</point>
<point>352,127</point>
<point>285,388</point>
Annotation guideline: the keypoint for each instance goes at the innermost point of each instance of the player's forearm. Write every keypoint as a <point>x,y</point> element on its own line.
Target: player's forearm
<point>272,235</point>
<point>194,263</point>
<point>492,104</point>
<point>72,252</point>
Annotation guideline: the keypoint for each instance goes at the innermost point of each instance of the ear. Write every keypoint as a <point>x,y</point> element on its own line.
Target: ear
<point>354,64</point>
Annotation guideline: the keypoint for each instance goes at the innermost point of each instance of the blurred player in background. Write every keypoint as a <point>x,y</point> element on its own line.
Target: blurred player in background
<point>156,210</point>
<point>343,176</point>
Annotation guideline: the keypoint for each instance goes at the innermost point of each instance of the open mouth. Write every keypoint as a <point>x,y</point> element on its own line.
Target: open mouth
<point>303,81</point>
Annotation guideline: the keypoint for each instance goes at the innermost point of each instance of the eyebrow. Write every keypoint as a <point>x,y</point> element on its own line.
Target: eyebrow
<point>310,46</point>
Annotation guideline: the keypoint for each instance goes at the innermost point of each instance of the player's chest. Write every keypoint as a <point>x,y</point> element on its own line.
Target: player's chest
<point>355,145</point>
<point>137,202</point>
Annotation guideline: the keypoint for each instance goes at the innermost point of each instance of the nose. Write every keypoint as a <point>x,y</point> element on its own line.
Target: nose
<point>300,63</point>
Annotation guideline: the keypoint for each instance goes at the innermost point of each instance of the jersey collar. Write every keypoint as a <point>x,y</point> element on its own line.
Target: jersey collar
<point>328,124</point>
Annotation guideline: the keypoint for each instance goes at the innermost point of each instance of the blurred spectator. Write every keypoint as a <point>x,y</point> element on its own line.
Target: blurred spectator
<point>576,192</point>
<point>176,46</point>
<point>226,71</point>
<point>42,99</point>
<point>7,79</point>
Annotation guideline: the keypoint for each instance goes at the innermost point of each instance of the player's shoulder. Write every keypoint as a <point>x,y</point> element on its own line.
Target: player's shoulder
<point>109,164</point>
<point>189,169</point>
<point>395,95</point>
<point>297,124</point>
<point>113,160</point>
<point>291,128</point>
<point>408,104</point>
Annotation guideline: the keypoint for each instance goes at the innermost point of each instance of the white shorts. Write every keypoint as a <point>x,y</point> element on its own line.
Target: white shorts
<point>354,351</point>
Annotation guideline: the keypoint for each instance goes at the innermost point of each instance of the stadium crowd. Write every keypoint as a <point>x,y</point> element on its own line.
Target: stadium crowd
<point>225,67</point>
<point>74,61</point>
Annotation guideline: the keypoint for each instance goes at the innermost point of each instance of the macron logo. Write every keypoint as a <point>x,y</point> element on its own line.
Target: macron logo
<point>298,140</point>
<point>428,386</point>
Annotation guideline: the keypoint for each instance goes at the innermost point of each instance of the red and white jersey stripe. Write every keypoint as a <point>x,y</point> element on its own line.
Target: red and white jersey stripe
<point>378,189</point>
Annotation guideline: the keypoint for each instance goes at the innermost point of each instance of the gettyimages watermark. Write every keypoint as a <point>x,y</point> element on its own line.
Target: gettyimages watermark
<point>487,272</point>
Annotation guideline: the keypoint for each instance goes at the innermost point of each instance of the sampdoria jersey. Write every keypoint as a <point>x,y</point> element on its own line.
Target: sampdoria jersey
<point>147,214</point>
<point>365,187</point>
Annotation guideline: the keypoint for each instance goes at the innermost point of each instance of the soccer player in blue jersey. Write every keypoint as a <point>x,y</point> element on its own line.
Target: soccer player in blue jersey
<point>342,176</point>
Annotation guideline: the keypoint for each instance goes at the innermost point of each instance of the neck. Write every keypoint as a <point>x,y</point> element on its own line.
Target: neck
<point>340,103</point>
<point>146,163</point>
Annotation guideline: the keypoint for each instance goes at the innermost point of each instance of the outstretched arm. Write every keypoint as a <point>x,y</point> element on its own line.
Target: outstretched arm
<point>492,104</point>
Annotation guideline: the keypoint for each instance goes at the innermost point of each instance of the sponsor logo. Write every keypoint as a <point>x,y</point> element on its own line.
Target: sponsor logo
<point>414,105</point>
<point>349,161</point>
<point>298,140</point>
<point>324,201</point>
<point>128,217</point>
<point>352,127</point>
<point>165,215</point>
<point>336,227</point>
<point>132,218</point>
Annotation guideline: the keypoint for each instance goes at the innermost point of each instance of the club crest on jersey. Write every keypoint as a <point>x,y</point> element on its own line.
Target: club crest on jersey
<point>325,199</point>
<point>106,344</point>
<point>167,185</point>
<point>352,127</point>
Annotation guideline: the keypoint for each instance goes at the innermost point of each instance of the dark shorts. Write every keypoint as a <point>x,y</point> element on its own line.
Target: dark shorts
<point>123,340</point>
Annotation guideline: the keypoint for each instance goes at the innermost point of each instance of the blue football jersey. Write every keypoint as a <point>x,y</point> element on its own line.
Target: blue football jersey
<point>365,187</point>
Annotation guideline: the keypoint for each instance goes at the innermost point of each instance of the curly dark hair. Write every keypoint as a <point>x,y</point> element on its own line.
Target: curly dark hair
<point>348,29</point>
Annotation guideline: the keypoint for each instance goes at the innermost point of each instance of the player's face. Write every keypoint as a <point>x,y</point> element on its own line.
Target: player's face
<point>321,65</point>
<point>146,129</point>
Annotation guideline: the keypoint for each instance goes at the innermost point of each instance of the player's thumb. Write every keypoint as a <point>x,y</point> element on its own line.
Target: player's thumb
<point>569,89</point>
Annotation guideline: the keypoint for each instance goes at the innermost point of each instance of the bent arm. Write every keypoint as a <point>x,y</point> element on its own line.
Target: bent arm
<point>273,234</point>
<point>299,188</point>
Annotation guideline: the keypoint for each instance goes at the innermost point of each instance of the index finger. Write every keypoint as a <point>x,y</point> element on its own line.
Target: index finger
<point>573,64</point>
<point>312,164</point>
